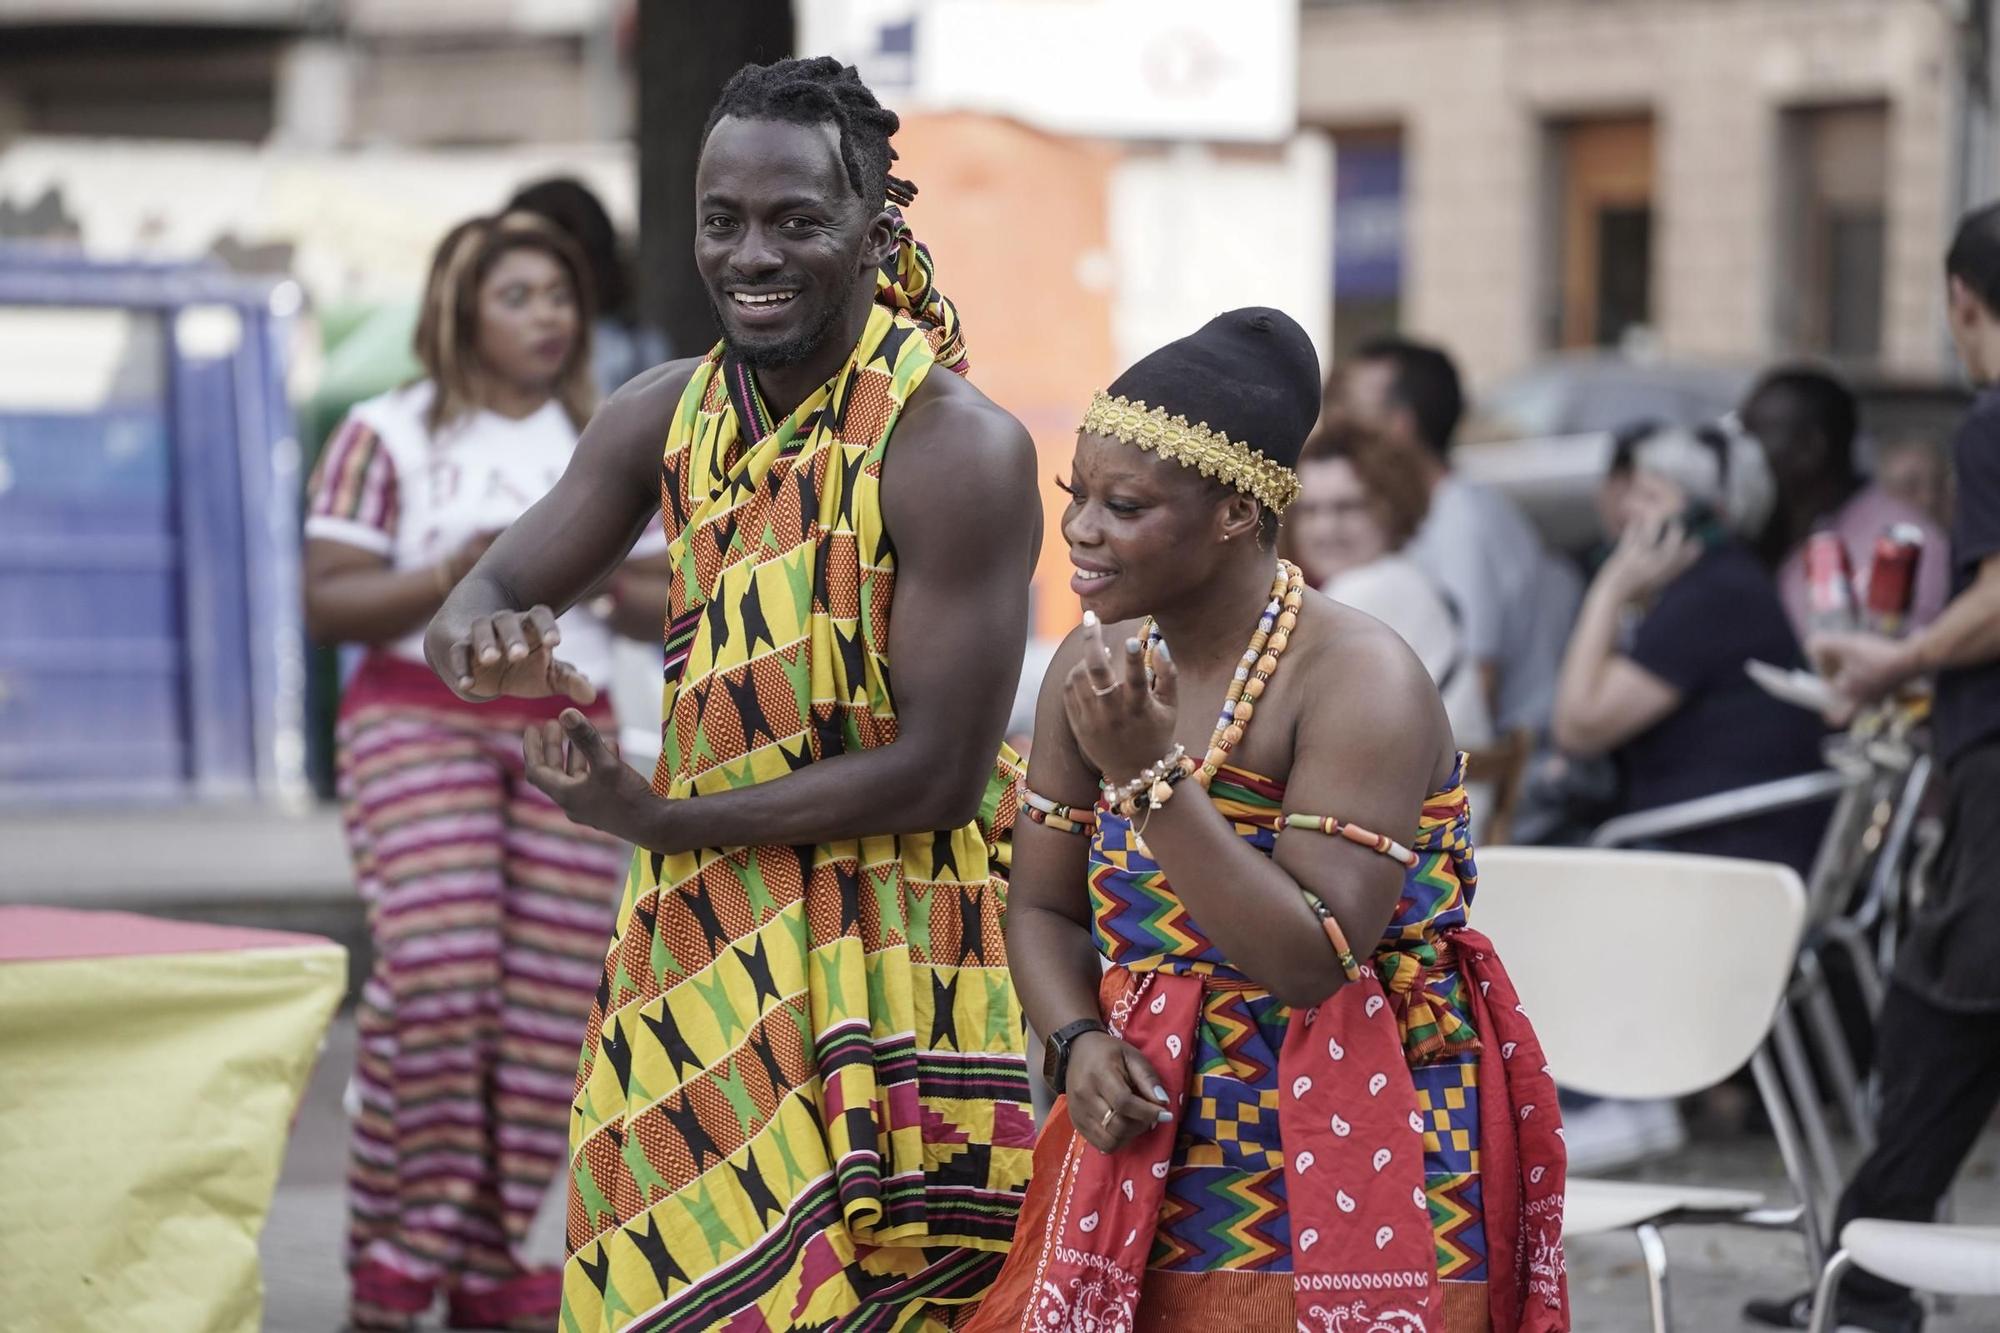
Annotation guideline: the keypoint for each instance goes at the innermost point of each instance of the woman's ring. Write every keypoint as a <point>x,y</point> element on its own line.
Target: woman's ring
<point>1110,1113</point>
<point>1112,688</point>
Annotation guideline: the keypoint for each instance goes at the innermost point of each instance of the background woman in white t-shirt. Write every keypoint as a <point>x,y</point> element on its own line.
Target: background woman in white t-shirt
<point>1359,504</point>
<point>489,909</point>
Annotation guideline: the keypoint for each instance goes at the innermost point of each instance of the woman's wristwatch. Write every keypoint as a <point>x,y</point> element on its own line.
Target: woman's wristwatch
<point>1055,1062</point>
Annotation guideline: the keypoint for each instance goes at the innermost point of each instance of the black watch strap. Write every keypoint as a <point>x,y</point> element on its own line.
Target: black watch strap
<point>1056,1067</point>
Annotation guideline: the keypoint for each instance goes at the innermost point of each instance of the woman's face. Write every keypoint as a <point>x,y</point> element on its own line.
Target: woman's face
<point>527,320</point>
<point>1336,524</point>
<point>1141,529</point>
<point>1650,497</point>
<point>1915,475</point>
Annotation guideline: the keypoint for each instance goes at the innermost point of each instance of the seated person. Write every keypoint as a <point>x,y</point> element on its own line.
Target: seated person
<point>1806,420</point>
<point>1654,672</point>
<point>1358,507</point>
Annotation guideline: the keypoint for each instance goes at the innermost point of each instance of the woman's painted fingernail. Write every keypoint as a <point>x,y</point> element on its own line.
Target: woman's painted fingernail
<point>1090,619</point>
<point>1166,1117</point>
<point>1159,1094</point>
<point>1134,647</point>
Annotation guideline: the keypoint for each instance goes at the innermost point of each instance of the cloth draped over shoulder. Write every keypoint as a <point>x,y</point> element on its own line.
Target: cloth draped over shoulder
<point>803,1101</point>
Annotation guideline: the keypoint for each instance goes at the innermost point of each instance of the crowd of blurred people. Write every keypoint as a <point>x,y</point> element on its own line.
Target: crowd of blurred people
<point>1628,692</point>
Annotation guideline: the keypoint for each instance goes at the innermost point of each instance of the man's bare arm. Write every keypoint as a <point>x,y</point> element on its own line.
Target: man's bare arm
<point>571,539</point>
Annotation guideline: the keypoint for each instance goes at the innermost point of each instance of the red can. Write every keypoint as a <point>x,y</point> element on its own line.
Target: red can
<point>1829,584</point>
<point>1892,577</point>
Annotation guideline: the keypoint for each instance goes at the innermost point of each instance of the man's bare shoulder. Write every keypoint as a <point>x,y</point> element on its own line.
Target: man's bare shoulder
<point>630,427</point>
<point>950,412</point>
<point>654,392</point>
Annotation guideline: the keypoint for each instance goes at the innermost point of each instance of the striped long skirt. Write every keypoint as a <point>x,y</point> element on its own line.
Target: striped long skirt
<point>489,912</point>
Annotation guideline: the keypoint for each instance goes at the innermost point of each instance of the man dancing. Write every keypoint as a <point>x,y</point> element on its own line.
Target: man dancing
<point>803,1101</point>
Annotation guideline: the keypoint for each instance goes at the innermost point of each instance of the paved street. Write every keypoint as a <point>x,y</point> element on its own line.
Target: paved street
<point>1713,1269</point>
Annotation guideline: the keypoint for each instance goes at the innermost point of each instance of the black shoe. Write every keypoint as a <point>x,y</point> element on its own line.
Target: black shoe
<point>1796,1312</point>
<point>1780,1311</point>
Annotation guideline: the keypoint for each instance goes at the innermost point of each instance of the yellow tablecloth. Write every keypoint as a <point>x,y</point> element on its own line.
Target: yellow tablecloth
<point>146,1091</point>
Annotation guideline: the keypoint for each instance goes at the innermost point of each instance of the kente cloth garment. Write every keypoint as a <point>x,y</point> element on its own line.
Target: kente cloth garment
<point>803,1102</point>
<point>487,908</point>
<point>1387,1160</point>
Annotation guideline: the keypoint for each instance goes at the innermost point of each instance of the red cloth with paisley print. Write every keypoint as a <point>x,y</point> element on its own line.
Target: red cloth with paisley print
<point>1363,1257</point>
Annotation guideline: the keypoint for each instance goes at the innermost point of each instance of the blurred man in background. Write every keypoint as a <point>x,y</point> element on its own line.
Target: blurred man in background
<point>1807,420</point>
<point>1938,1038</point>
<point>1518,600</point>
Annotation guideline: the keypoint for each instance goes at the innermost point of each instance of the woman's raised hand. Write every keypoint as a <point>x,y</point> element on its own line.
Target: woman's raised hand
<point>1122,722</point>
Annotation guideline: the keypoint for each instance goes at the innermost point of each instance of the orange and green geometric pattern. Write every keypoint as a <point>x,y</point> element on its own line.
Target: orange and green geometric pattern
<point>803,1101</point>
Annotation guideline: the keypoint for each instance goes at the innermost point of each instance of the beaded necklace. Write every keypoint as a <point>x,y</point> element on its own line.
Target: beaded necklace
<point>1253,673</point>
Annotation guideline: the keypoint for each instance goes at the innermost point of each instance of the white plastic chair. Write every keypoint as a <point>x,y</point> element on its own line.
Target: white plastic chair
<point>1928,1256</point>
<point>1650,975</point>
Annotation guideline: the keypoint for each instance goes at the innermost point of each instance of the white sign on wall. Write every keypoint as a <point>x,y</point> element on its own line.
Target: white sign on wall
<point>1134,69</point>
<point>1196,232</point>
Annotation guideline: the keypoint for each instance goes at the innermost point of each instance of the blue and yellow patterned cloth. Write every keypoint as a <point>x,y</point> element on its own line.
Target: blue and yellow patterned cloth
<point>1225,1208</point>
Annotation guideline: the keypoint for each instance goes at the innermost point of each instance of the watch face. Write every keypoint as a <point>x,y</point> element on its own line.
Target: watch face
<point>1052,1057</point>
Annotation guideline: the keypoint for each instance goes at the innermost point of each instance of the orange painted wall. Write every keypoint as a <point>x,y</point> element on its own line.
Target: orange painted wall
<point>1016,221</point>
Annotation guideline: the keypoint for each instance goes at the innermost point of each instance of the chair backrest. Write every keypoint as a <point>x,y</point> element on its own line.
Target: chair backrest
<point>1501,766</point>
<point>1647,974</point>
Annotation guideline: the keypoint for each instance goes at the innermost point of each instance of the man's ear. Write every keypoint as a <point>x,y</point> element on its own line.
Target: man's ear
<point>881,240</point>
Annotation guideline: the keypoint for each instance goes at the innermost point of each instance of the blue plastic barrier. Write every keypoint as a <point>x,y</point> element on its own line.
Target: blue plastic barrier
<point>150,646</point>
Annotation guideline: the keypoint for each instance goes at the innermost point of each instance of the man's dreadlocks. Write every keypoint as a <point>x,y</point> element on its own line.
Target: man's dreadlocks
<point>822,91</point>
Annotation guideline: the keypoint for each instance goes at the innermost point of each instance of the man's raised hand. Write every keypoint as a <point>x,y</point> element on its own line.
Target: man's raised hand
<point>513,653</point>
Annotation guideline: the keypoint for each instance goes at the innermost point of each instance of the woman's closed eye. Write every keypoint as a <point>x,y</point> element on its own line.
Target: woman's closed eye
<point>1120,506</point>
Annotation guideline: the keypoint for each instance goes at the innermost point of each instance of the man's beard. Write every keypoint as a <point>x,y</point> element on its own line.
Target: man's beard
<point>781,353</point>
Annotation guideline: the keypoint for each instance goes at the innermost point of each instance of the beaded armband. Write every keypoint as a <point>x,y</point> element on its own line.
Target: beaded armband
<point>1053,814</point>
<point>1334,828</point>
<point>1349,968</point>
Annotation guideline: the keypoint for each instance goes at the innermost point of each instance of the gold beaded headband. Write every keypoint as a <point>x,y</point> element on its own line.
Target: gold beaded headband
<point>1193,445</point>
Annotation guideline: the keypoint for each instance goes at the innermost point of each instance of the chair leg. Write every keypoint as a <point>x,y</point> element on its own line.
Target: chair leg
<point>1827,1295</point>
<point>1830,1041</point>
<point>1654,1247</point>
<point>1771,1090</point>
<point>1805,1093</point>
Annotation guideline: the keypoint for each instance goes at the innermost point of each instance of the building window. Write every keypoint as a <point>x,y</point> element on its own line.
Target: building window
<point>1831,215</point>
<point>1367,235</point>
<point>1601,198</point>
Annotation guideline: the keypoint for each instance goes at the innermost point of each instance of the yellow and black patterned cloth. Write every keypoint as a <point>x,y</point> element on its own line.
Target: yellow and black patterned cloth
<point>803,1101</point>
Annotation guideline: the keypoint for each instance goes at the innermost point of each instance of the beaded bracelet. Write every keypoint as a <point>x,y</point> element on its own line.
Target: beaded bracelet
<point>1344,955</point>
<point>1154,786</point>
<point>1055,815</point>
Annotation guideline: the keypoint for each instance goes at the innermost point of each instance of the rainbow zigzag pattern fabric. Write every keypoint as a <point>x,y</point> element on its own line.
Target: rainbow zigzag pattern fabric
<point>803,1101</point>
<point>1225,1205</point>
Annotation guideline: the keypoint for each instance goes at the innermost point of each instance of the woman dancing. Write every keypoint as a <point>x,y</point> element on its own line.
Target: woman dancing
<point>1258,1127</point>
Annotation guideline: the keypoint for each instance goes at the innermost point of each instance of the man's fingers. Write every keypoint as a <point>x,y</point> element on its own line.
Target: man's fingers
<point>567,680</point>
<point>459,661</point>
<point>544,762</point>
<point>586,739</point>
<point>542,624</point>
<point>507,627</point>
<point>485,645</point>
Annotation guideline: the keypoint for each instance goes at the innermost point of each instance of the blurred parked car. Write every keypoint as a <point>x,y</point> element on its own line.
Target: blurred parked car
<point>1544,436</point>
